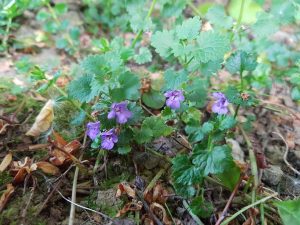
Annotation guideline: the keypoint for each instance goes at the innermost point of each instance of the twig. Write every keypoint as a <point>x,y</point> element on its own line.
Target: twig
<point>155,179</point>
<point>286,154</point>
<point>246,208</point>
<point>72,211</point>
<point>24,211</point>
<point>224,213</point>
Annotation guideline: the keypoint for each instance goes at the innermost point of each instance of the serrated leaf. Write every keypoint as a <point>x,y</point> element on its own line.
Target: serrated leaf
<point>215,161</point>
<point>129,88</point>
<point>216,15</point>
<point>144,56</point>
<point>241,60</point>
<point>265,25</point>
<point>227,122</point>
<point>162,41</point>
<point>81,88</point>
<point>184,172</point>
<point>289,211</point>
<point>93,64</point>
<point>211,46</point>
<point>174,79</point>
<point>60,8</point>
<point>152,127</point>
<point>189,29</point>
<point>154,99</point>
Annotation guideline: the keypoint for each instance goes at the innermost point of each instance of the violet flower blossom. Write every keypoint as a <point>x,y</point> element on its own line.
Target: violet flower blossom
<point>120,112</point>
<point>108,139</point>
<point>174,98</point>
<point>221,103</point>
<point>93,129</point>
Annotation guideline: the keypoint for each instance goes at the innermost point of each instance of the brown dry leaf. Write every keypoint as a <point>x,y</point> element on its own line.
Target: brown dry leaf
<point>20,176</point>
<point>160,211</point>
<point>124,188</point>
<point>59,157</point>
<point>157,194</point>
<point>6,195</point>
<point>48,168</point>
<point>131,206</point>
<point>43,121</point>
<point>5,162</point>
<point>252,215</point>
<point>59,140</point>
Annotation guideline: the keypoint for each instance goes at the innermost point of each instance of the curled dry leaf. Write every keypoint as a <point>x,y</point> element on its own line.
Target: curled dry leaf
<point>6,195</point>
<point>125,188</point>
<point>48,168</point>
<point>59,157</point>
<point>5,162</point>
<point>158,194</point>
<point>43,121</point>
<point>131,206</point>
<point>160,211</point>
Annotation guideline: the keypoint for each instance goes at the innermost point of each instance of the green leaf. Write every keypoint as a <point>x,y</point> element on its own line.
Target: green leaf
<point>227,122</point>
<point>129,88</point>
<point>216,15</point>
<point>152,127</point>
<point>265,25</point>
<point>187,191</point>
<point>42,15</point>
<point>124,150</point>
<point>189,29</point>
<point>93,64</point>
<point>201,208</point>
<point>174,79</point>
<point>230,176</point>
<point>61,43</point>
<point>211,46</point>
<point>37,74</point>
<point>196,136</point>
<point>154,99</point>
<point>215,161</point>
<point>184,172</point>
<point>207,127</point>
<point>60,8</point>
<point>295,94</point>
<point>81,88</point>
<point>289,211</point>
<point>241,60</point>
<point>144,56</point>
<point>162,41</point>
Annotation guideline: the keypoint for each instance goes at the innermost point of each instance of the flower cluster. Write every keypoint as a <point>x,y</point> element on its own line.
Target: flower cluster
<point>109,138</point>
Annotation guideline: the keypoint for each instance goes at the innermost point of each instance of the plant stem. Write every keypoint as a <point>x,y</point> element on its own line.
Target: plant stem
<point>194,8</point>
<point>141,31</point>
<point>246,208</point>
<point>241,13</point>
<point>236,111</point>
<point>155,179</point>
<point>209,142</point>
<point>242,80</point>
<point>262,214</point>
<point>54,16</point>
<point>5,38</point>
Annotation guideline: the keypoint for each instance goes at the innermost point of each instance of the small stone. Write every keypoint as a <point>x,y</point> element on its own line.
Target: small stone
<point>272,175</point>
<point>237,152</point>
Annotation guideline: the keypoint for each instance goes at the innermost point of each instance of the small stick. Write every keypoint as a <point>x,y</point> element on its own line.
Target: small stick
<point>73,199</point>
<point>221,218</point>
<point>286,154</point>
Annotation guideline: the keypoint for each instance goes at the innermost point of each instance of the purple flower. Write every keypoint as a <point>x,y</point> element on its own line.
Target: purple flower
<point>120,111</point>
<point>108,139</point>
<point>174,98</point>
<point>220,104</point>
<point>93,129</point>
